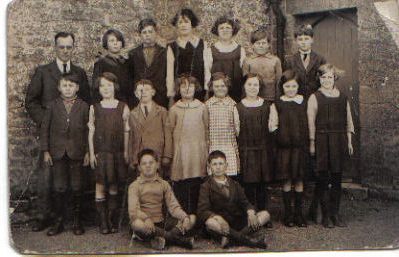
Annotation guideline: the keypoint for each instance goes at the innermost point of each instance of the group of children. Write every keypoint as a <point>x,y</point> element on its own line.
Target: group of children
<point>238,119</point>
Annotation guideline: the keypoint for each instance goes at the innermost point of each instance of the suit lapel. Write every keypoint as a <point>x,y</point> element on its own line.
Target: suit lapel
<point>312,62</point>
<point>61,108</point>
<point>75,106</point>
<point>153,113</point>
<point>54,71</point>
<point>298,62</point>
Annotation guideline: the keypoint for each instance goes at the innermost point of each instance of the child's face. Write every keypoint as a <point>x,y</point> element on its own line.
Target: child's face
<point>261,46</point>
<point>114,45</point>
<point>144,93</point>
<point>225,31</point>
<point>68,89</point>
<point>219,88</point>
<point>290,88</point>
<point>184,26</point>
<point>304,42</point>
<point>327,80</point>
<point>252,87</point>
<point>187,90</point>
<point>148,35</point>
<point>218,166</point>
<point>148,166</point>
<point>106,88</point>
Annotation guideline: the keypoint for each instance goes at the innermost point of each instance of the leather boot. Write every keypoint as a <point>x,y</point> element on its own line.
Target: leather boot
<point>113,213</point>
<point>325,209</point>
<point>288,215</point>
<point>299,219</point>
<point>77,226</point>
<point>102,214</point>
<point>335,201</point>
<point>59,207</point>
<point>174,237</point>
<point>314,205</point>
<point>242,239</point>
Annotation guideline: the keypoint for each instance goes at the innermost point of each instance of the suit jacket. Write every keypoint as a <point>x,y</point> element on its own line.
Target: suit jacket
<point>62,133</point>
<point>212,201</point>
<point>43,88</point>
<point>156,72</point>
<point>307,78</point>
<point>151,132</point>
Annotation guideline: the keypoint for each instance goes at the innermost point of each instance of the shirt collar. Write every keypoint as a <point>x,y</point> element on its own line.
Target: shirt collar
<point>194,40</point>
<point>297,99</point>
<point>227,48</point>
<point>330,93</point>
<point>193,104</point>
<point>266,55</point>
<point>307,52</point>
<point>68,100</point>
<point>143,180</point>
<point>60,65</point>
<point>225,100</point>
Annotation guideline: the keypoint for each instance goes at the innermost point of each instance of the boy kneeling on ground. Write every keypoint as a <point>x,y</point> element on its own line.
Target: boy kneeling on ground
<point>146,198</point>
<point>224,208</point>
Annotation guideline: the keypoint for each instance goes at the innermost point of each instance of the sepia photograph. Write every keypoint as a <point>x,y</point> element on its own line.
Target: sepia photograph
<point>202,126</point>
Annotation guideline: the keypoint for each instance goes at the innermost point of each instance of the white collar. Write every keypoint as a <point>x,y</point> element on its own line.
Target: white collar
<point>225,100</point>
<point>307,52</point>
<point>60,65</point>
<point>330,93</point>
<point>297,99</point>
<point>189,105</point>
<point>226,48</point>
<point>194,40</point>
<point>259,102</point>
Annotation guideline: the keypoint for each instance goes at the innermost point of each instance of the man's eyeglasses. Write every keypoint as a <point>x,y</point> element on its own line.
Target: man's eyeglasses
<point>65,47</point>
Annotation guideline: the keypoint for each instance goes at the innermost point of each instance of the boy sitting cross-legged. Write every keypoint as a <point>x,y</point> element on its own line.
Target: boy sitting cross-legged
<point>224,208</point>
<point>146,198</point>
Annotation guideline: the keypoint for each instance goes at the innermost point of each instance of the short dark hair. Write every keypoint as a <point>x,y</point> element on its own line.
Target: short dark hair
<point>145,23</point>
<point>73,77</point>
<point>304,30</point>
<point>144,82</point>
<point>147,151</point>
<point>116,33</point>
<point>285,77</point>
<point>259,34</point>
<point>64,34</point>
<point>191,80</point>
<point>235,24</point>
<point>216,154</point>
<point>219,76</point>
<point>189,14</point>
<point>254,75</point>
<point>110,77</point>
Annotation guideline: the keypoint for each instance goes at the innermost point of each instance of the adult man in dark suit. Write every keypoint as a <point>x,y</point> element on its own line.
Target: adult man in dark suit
<point>148,61</point>
<point>41,91</point>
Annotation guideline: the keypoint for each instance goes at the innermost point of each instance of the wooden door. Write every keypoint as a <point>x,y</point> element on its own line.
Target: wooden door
<point>335,37</point>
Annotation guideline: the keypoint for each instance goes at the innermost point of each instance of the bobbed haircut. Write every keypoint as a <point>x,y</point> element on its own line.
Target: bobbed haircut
<point>285,77</point>
<point>64,34</point>
<point>116,33</point>
<point>324,68</point>
<point>186,13</point>
<point>216,154</point>
<point>110,77</point>
<point>253,75</point>
<point>184,78</point>
<point>145,23</point>
<point>304,30</point>
<point>147,151</point>
<point>235,24</point>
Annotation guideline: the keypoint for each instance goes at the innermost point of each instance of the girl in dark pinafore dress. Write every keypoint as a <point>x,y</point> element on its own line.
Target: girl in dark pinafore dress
<point>108,139</point>
<point>226,55</point>
<point>288,121</point>
<point>330,133</point>
<point>186,55</point>
<point>255,143</point>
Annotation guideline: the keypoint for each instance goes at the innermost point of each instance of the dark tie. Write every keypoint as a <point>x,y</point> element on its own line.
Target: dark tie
<point>145,110</point>
<point>65,67</point>
<point>305,56</point>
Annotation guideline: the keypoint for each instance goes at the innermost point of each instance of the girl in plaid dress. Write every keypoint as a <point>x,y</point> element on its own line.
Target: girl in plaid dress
<point>224,124</point>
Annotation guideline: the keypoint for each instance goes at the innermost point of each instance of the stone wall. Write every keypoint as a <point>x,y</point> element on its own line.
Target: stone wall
<point>379,89</point>
<point>32,25</point>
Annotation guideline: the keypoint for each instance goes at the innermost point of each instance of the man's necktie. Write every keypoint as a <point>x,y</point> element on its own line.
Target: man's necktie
<point>305,56</point>
<point>65,67</point>
<point>145,111</point>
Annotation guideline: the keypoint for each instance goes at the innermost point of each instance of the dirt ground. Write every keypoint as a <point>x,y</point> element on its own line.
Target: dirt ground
<point>372,224</point>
